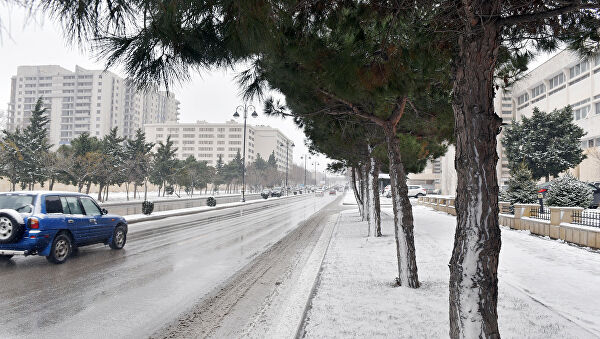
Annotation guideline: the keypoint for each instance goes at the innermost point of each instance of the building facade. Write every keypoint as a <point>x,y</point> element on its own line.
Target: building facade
<point>92,101</point>
<point>565,79</point>
<point>206,141</point>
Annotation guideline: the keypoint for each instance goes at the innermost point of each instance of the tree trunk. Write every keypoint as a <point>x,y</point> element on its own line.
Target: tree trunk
<point>51,185</point>
<point>106,192</point>
<point>547,177</point>
<point>370,206</point>
<point>127,190</point>
<point>355,189</point>
<point>376,207</point>
<point>135,190</point>
<point>100,190</point>
<point>145,190</point>
<point>474,262</point>
<point>361,191</point>
<point>80,187</point>
<point>403,217</point>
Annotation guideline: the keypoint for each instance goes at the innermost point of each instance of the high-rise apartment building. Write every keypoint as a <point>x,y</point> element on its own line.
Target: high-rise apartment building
<point>92,101</point>
<point>206,141</point>
<point>565,79</point>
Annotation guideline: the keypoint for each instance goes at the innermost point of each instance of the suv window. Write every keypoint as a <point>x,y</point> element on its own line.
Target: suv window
<point>74,206</point>
<point>53,204</point>
<point>90,207</point>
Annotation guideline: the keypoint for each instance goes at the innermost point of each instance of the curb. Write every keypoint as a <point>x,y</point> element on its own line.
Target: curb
<point>313,290</point>
<point>202,209</point>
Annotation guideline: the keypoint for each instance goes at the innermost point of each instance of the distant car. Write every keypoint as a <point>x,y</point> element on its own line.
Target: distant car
<point>596,189</point>
<point>319,193</point>
<point>53,224</point>
<point>387,191</point>
<point>416,191</point>
<point>413,191</point>
<point>265,194</point>
<point>277,192</point>
<point>332,192</point>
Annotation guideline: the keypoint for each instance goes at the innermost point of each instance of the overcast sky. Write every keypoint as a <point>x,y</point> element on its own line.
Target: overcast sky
<point>210,96</point>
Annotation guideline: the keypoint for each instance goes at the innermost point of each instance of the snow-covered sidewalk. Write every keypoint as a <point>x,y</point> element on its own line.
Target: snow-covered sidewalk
<point>548,289</point>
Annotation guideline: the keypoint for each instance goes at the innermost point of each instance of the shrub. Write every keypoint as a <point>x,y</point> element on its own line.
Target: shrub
<point>147,207</point>
<point>211,201</point>
<point>569,192</point>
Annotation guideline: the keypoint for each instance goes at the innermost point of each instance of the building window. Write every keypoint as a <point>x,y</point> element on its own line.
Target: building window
<point>581,67</point>
<point>598,108</point>
<point>537,90</point>
<point>522,98</point>
<point>557,80</point>
<point>188,135</point>
<point>507,112</point>
<point>581,113</point>
<point>507,105</point>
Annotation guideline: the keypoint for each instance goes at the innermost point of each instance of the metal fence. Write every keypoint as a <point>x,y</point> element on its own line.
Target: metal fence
<point>507,209</point>
<point>586,218</point>
<point>537,213</point>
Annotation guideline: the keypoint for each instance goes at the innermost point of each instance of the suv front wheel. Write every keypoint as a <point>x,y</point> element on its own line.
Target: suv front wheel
<point>62,247</point>
<point>119,238</point>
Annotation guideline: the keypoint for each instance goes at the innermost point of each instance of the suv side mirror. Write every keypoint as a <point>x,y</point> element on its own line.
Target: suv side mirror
<point>104,211</point>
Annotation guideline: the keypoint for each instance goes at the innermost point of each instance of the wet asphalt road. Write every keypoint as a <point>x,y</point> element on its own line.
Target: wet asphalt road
<point>165,269</point>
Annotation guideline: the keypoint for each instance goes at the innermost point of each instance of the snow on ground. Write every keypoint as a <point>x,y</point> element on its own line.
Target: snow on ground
<point>548,289</point>
<point>349,199</point>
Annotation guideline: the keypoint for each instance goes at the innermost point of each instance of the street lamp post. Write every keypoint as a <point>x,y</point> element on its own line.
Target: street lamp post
<point>287,151</point>
<point>315,163</point>
<point>245,108</point>
<point>305,157</point>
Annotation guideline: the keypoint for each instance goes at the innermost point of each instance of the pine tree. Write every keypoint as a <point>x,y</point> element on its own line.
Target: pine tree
<point>272,160</point>
<point>521,187</point>
<point>37,148</point>
<point>569,192</point>
<point>547,143</point>
<point>138,160</point>
<point>163,166</point>
<point>112,170</point>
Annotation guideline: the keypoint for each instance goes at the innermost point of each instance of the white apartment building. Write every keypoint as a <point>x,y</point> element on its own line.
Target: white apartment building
<point>92,101</point>
<point>565,79</point>
<point>206,141</point>
<point>270,140</point>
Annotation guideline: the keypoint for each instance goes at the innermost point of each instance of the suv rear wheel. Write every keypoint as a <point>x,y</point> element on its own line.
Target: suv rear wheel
<point>62,247</point>
<point>10,229</point>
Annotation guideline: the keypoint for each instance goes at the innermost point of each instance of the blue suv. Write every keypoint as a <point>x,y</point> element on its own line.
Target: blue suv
<point>54,224</point>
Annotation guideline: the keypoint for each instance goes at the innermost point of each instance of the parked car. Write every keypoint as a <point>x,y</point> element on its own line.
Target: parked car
<point>332,192</point>
<point>54,224</point>
<point>319,193</point>
<point>413,191</point>
<point>277,192</point>
<point>387,191</point>
<point>266,193</point>
<point>595,186</point>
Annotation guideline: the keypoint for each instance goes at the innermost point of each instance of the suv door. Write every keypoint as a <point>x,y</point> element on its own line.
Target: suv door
<point>55,217</point>
<point>76,221</point>
<point>102,228</point>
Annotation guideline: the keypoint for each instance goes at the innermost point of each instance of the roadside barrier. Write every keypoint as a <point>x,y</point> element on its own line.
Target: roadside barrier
<point>571,224</point>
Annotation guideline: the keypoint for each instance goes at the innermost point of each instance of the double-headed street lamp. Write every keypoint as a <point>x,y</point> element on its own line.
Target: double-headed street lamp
<point>287,151</point>
<point>244,108</point>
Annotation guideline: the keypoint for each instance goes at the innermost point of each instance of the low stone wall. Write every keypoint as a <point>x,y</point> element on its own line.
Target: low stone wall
<point>559,226</point>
